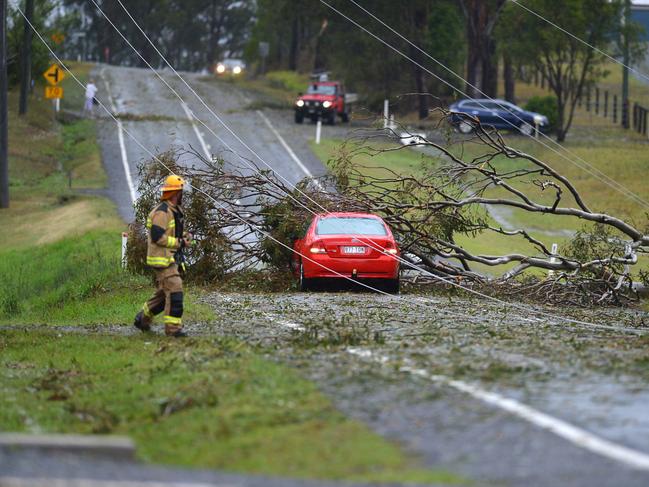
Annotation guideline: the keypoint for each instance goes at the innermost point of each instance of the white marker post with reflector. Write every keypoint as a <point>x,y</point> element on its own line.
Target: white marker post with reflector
<point>553,259</point>
<point>124,242</point>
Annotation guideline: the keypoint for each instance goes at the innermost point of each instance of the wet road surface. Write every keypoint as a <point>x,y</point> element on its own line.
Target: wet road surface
<point>388,362</point>
<point>152,114</point>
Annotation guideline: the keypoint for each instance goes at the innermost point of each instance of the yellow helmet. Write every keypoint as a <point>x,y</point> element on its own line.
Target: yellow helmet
<point>173,183</point>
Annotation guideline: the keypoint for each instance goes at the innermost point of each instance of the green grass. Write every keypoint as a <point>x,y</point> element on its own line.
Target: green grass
<point>405,161</point>
<point>622,161</point>
<point>75,281</point>
<point>280,88</point>
<point>74,96</point>
<point>200,402</point>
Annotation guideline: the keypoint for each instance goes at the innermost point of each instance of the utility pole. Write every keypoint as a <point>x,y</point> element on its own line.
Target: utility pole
<point>625,69</point>
<point>26,71</point>
<point>4,138</point>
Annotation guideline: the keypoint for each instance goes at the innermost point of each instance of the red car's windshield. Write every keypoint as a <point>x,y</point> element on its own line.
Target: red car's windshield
<point>350,226</point>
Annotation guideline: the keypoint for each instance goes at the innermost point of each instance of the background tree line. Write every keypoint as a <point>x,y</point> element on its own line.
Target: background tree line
<point>481,40</point>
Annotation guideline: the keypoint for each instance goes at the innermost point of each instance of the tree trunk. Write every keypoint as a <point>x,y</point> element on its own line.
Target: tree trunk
<point>294,49</point>
<point>482,63</point>
<point>490,69</point>
<point>510,80</point>
<point>561,128</point>
<point>472,65</point>
<point>421,88</point>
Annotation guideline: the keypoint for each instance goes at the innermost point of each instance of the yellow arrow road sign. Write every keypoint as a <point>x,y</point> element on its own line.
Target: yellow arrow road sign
<point>53,92</point>
<point>54,74</point>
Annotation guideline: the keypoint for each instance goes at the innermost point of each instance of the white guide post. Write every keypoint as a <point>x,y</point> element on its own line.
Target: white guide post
<point>553,260</point>
<point>124,242</point>
<point>386,113</point>
<point>318,131</point>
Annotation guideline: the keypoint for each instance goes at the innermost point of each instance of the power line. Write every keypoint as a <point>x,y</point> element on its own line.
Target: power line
<point>366,239</point>
<point>256,228</point>
<point>219,205</point>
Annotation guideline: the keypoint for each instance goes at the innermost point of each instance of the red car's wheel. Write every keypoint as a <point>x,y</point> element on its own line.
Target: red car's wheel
<point>392,286</point>
<point>304,284</point>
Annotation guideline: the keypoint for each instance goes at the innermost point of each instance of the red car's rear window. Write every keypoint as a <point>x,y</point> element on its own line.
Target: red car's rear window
<point>350,226</point>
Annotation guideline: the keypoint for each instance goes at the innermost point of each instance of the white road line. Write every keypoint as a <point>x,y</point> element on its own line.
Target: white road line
<point>120,139</point>
<point>567,431</point>
<point>284,144</point>
<point>199,134</point>
<point>284,323</point>
<point>78,482</point>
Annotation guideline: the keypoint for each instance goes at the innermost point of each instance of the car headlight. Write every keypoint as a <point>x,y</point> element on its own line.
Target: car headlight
<point>220,68</point>
<point>236,70</point>
<point>539,119</point>
<point>326,104</point>
<point>300,103</point>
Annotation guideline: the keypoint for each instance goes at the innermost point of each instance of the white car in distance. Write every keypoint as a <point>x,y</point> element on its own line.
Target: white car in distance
<point>230,66</point>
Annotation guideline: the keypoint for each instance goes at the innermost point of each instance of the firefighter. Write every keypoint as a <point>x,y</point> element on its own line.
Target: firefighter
<point>165,241</point>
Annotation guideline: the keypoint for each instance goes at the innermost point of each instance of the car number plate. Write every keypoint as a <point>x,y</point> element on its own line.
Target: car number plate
<point>353,250</point>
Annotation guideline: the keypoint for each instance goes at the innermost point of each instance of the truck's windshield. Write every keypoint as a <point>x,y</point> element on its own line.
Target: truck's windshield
<point>321,90</point>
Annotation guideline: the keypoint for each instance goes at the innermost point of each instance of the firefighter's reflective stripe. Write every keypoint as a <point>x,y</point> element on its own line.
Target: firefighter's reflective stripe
<point>172,242</point>
<point>147,311</point>
<point>149,224</point>
<point>172,320</point>
<point>172,223</point>
<point>159,261</point>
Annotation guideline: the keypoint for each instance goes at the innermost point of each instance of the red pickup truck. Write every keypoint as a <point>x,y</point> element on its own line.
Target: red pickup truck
<point>324,100</point>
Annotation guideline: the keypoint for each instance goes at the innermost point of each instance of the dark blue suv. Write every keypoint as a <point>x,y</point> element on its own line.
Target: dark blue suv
<point>495,113</point>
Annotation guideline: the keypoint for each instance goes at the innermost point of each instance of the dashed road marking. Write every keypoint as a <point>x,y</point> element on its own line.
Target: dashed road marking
<point>199,135</point>
<point>285,323</point>
<point>286,146</point>
<point>120,139</point>
<point>563,429</point>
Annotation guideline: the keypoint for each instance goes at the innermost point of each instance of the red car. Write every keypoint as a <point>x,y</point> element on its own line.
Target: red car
<point>357,245</point>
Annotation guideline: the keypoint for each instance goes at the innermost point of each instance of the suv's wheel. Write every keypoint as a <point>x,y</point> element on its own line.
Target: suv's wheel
<point>345,117</point>
<point>465,127</point>
<point>526,129</point>
<point>304,284</point>
<point>299,118</point>
<point>332,118</point>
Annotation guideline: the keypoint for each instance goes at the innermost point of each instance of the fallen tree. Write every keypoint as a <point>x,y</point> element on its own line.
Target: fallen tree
<point>232,211</point>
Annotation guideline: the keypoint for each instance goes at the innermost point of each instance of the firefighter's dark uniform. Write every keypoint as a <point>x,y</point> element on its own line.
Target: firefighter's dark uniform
<point>165,237</point>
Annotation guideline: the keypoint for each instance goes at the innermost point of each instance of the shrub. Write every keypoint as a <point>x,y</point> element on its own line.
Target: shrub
<point>545,105</point>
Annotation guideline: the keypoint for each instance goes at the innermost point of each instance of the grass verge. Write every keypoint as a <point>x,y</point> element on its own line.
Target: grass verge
<point>200,402</point>
<point>75,281</point>
<point>278,89</point>
<point>61,260</point>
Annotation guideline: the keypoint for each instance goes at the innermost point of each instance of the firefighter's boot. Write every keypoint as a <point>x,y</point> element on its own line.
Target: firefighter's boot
<point>142,322</point>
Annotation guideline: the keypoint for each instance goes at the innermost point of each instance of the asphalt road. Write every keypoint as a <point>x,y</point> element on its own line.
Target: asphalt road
<point>467,385</point>
<point>153,120</point>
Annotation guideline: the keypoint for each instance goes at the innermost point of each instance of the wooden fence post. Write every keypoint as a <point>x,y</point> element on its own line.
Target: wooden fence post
<point>596,101</point>
<point>606,104</point>
<point>614,108</point>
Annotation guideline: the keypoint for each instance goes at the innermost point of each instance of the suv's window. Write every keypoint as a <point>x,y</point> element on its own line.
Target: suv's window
<point>321,90</point>
<point>470,104</point>
<point>350,226</point>
<point>509,108</point>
